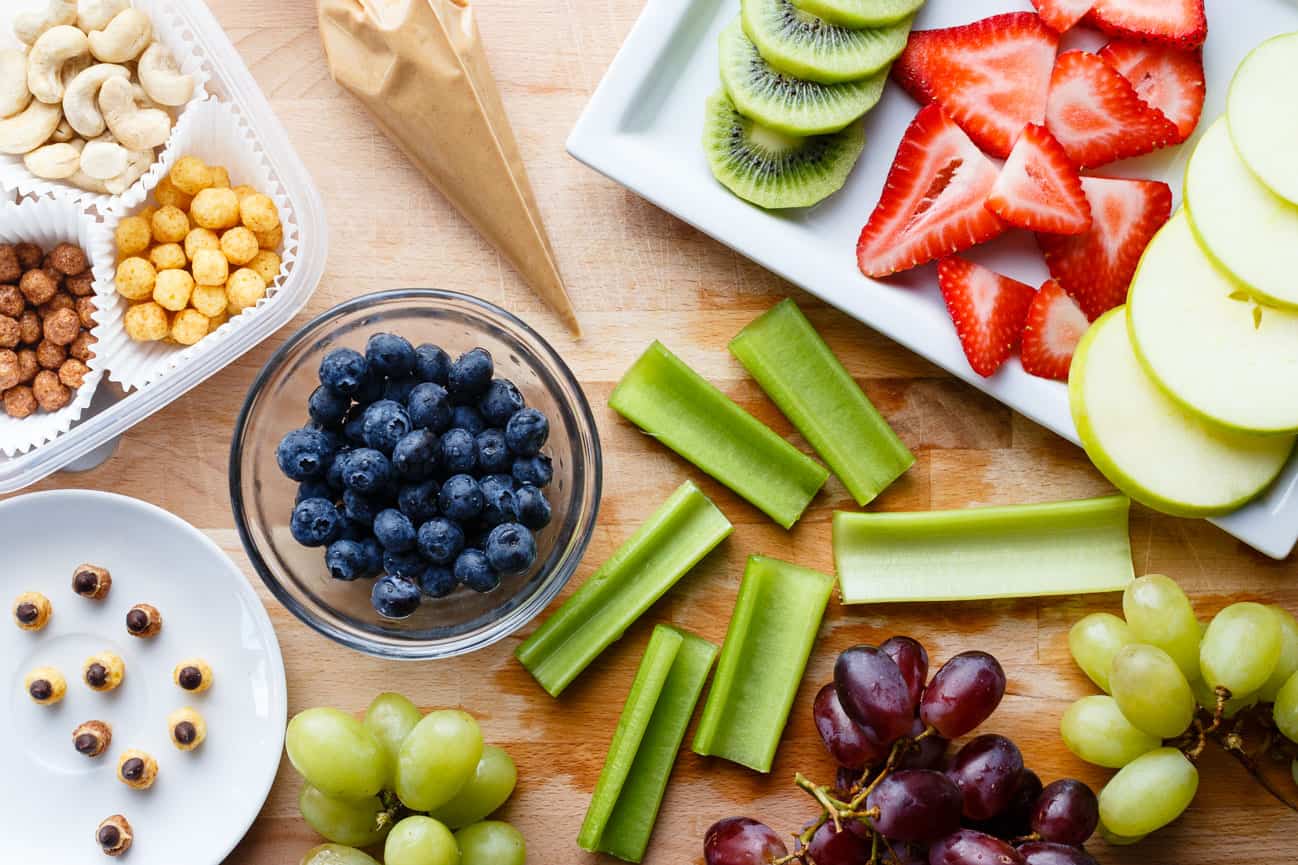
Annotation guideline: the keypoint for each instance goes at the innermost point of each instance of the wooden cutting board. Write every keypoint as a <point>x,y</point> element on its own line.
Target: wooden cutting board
<point>636,274</point>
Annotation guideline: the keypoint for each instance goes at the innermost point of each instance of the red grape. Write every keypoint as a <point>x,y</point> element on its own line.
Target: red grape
<point>741,841</point>
<point>873,692</point>
<point>1046,853</point>
<point>987,771</point>
<point>911,658</point>
<point>962,694</point>
<point>927,753</point>
<point>851,745</point>
<point>967,847</point>
<point>1015,820</point>
<point>904,854</point>
<point>1066,812</point>
<point>915,805</point>
<point>851,846</point>
<point>845,783</point>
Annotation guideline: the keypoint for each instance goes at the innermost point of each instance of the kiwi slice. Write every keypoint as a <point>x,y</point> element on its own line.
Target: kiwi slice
<point>799,44</point>
<point>860,13</point>
<point>772,169</point>
<point>786,104</point>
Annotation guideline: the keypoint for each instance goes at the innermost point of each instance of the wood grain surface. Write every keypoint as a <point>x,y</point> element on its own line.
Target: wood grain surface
<point>637,274</point>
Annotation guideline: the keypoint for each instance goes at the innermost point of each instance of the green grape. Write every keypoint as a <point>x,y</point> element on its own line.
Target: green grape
<point>336,854</point>
<point>1095,729</point>
<point>1285,710</point>
<point>1159,613</point>
<point>1148,793</point>
<point>1206,697</point>
<point>1241,648</point>
<point>343,821</point>
<point>491,842</point>
<point>390,717</point>
<point>492,783</point>
<point>1151,690</point>
<point>335,754</point>
<point>437,758</point>
<point>420,841</point>
<point>1094,641</point>
<point>1288,663</point>
<point>1116,840</point>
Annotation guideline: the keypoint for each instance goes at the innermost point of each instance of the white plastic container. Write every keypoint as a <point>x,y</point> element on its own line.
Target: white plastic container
<point>112,412</point>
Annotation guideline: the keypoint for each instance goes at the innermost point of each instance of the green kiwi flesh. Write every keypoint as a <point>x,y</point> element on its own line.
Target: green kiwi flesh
<point>771,169</point>
<point>860,13</point>
<point>800,44</point>
<point>786,104</point>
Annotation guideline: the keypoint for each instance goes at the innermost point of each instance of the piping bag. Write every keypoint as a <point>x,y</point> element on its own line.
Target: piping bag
<point>419,67</point>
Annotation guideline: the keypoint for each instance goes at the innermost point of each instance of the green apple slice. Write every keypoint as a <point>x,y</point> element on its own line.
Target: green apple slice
<point>1247,228</point>
<point>1263,114</point>
<point>1203,338</point>
<point>1149,446</point>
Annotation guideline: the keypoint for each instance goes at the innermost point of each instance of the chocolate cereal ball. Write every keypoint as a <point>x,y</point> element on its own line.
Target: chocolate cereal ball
<point>50,355</point>
<point>68,260</point>
<point>82,347</point>
<point>20,402</point>
<point>51,395</point>
<point>29,255</point>
<point>9,332</point>
<point>81,285</point>
<point>27,366</point>
<point>12,302</point>
<point>60,300</point>
<point>29,327</point>
<point>62,326</point>
<point>10,371</point>
<point>38,286</point>
<point>73,373</point>
<point>86,310</point>
<point>10,267</point>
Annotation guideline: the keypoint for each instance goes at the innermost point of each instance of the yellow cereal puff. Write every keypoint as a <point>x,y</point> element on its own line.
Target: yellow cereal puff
<point>209,300</point>
<point>215,208</point>
<point>170,225</point>
<point>259,212</point>
<point>272,239</point>
<point>133,235</point>
<point>245,288</point>
<point>210,267</point>
<point>168,195</point>
<point>189,326</point>
<point>191,175</point>
<point>135,279</point>
<point>146,322</point>
<point>220,177</point>
<point>168,256</point>
<point>218,320</point>
<point>243,191</point>
<point>200,238</point>
<point>267,265</point>
<point>173,289</point>
<point>239,245</point>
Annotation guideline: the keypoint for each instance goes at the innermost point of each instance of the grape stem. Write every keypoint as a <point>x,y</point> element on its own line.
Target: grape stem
<point>391,808</point>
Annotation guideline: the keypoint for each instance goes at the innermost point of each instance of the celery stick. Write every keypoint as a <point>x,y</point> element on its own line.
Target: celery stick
<point>803,377</point>
<point>682,531</point>
<point>631,786</point>
<point>777,615</point>
<point>675,405</point>
<point>1062,548</point>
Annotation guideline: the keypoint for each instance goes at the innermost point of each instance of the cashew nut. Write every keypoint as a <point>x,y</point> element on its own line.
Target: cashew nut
<point>137,162</point>
<point>134,128</point>
<point>29,26</point>
<point>162,78</point>
<point>14,93</point>
<point>95,14</point>
<point>103,160</point>
<point>63,133</point>
<point>57,46</point>
<point>53,161</point>
<point>24,132</point>
<point>81,99</point>
<point>124,38</point>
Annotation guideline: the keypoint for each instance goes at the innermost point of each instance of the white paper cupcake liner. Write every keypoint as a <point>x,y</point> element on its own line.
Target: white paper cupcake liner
<point>216,133</point>
<point>171,32</point>
<point>49,222</point>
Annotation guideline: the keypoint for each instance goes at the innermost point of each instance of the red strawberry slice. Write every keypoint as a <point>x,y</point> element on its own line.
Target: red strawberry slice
<point>1055,325</point>
<point>1062,15</point>
<point>1096,267</point>
<point>1097,115</point>
<point>932,202</point>
<point>1167,79</point>
<point>988,310</point>
<point>991,76</point>
<point>1039,188</point>
<point>1180,23</point>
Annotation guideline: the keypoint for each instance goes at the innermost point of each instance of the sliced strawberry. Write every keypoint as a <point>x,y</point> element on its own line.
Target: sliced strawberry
<point>1055,325</point>
<point>1179,23</point>
<point>1096,267</point>
<point>1039,188</point>
<point>932,202</point>
<point>988,310</point>
<point>1097,115</point>
<point>1062,15</point>
<point>1167,79</point>
<point>991,76</point>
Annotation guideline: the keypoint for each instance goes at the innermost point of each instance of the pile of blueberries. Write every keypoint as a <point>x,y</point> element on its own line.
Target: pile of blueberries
<point>425,470</point>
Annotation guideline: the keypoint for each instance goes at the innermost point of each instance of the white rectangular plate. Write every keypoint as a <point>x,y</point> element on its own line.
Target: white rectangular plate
<point>643,128</point>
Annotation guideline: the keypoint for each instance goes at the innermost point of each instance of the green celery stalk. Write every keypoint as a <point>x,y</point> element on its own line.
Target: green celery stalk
<point>677,406</point>
<point>1061,548</point>
<point>777,615</point>
<point>625,804</point>
<point>683,530</point>
<point>803,377</point>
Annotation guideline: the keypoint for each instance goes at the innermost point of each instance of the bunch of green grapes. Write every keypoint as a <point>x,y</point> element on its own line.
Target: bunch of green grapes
<point>1159,669</point>
<point>420,785</point>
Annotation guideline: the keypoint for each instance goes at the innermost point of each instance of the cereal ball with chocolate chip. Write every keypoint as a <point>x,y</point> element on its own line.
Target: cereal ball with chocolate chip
<point>187,728</point>
<point>29,327</point>
<point>114,835</point>
<point>12,302</point>
<point>91,581</point>
<point>86,310</point>
<point>81,285</point>
<point>143,621</point>
<point>32,611</point>
<point>62,326</point>
<point>20,402</point>
<point>10,267</point>
<point>137,769</point>
<point>68,259</point>
<point>38,286</point>
<point>45,685</point>
<point>50,355</point>
<point>73,373</point>
<point>92,738</point>
<point>10,372</point>
<point>27,366</point>
<point>193,675</point>
<point>9,332</point>
<point>82,347</point>
<point>29,255</point>
<point>103,672</point>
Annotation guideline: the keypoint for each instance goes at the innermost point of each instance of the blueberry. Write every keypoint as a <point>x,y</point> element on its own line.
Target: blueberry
<point>500,402</point>
<point>386,422</point>
<point>394,597</point>
<point>327,405</point>
<point>526,432</point>
<point>470,375</point>
<point>440,540</point>
<point>418,501</point>
<point>394,531</point>
<point>415,456</point>
<point>466,417</point>
<point>511,549</point>
<point>315,523</point>
<point>366,471</point>
<point>373,556</point>
<point>398,389</point>
<point>390,355</point>
<point>473,569</point>
<point>346,560</point>
<point>536,470</point>
<point>371,390</point>
<point>408,566</point>
<point>334,476</point>
<point>460,498</point>
<point>353,530</point>
<point>313,490</point>
<point>438,581</point>
<point>360,507</point>
<point>430,407</point>
<point>493,455</point>
<point>432,364</point>
<point>533,507</point>
<point>305,455</point>
<point>500,478</point>
<point>498,504</point>
<point>457,452</point>
<point>343,370</point>
<point>354,431</point>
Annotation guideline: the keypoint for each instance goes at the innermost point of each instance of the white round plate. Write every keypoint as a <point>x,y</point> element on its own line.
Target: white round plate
<point>203,801</point>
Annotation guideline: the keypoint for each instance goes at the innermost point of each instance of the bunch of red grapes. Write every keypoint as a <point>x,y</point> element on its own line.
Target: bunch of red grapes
<point>899,799</point>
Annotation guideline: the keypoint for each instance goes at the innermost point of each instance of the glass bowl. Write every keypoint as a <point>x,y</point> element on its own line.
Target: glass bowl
<point>263,497</point>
